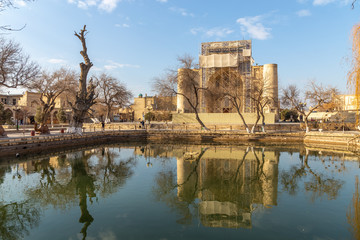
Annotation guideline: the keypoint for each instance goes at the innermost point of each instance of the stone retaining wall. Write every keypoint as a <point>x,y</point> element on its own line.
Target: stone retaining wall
<point>348,140</point>
<point>23,145</point>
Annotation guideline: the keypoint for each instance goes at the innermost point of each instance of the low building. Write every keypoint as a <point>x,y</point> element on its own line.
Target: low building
<point>23,106</point>
<point>152,104</point>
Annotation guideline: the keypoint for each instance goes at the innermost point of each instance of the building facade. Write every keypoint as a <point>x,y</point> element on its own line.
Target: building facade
<point>23,107</point>
<point>155,104</point>
<point>229,67</point>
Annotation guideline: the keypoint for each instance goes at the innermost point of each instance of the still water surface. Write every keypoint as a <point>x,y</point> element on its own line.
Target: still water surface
<point>182,192</point>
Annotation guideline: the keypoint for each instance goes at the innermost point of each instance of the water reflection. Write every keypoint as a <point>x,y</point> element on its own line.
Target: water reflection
<point>221,184</point>
<point>17,219</point>
<point>218,186</point>
<point>65,180</point>
<point>322,180</point>
<point>353,213</point>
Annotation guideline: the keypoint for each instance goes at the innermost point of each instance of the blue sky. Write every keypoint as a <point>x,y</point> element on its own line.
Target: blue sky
<point>135,40</point>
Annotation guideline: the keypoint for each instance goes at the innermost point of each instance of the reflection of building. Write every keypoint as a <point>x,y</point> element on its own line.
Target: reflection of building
<point>221,63</point>
<point>228,184</point>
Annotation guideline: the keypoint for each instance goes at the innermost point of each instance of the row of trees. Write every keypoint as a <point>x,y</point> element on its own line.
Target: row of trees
<point>315,94</point>
<point>16,69</point>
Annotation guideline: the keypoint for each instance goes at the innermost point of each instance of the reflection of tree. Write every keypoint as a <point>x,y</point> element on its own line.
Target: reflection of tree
<point>84,185</point>
<point>3,171</point>
<point>226,187</point>
<point>353,214</point>
<point>82,179</point>
<point>111,172</point>
<point>16,219</point>
<point>318,184</point>
<point>290,179</point>
<point>54,188</point>
<point>165,191</point>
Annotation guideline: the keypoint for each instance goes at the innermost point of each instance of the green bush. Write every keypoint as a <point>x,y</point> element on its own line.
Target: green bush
<point>5,116</point>
<point>39,115</point>
<point>61,116</point>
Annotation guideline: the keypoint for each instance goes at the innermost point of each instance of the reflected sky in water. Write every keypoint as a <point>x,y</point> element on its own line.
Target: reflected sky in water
<point>182,192</point>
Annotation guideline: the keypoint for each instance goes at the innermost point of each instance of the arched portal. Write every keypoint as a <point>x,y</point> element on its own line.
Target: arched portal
<point>225,85</point>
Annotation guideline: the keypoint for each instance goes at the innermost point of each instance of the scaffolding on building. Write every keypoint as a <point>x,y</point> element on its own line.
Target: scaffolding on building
<point>225,57</point>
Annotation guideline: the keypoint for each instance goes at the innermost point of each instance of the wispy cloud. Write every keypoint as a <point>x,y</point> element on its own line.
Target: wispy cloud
<point>182,11</point>
<point>96,69</point>
<point>218,32</point>
<point>254,27</point>
<point>105,5</point>
<point>114,65</point>
<point>124,25</point>
<point>57,61</point>
<point>322,2</point>
<point>20,3</point>
<point>108,5</point>
<point>195,31</point>
<point>303,13</point>
<point>162,1</point>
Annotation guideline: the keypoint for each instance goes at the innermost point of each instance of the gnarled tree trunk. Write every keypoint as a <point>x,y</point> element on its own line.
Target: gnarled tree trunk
<point>85,96</point>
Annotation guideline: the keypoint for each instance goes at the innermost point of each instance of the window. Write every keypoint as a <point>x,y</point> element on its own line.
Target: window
<point>14,101</point>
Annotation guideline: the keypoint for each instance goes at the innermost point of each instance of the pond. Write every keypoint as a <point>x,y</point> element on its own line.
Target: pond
<point>182,192</point>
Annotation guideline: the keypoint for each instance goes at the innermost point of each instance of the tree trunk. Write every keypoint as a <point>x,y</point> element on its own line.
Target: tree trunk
<point>263,122</point>
<point>243,120</point>
<point>85,97</point>
<point>306,125</point>
<point>2,132</point>
<point>108,110</point>
<point>199,121</point>
<point>255,124</point>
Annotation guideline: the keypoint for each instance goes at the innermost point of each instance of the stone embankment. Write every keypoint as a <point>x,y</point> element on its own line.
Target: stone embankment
<point>349,140</point>
<point>41,143</point>
<point>25,144</point>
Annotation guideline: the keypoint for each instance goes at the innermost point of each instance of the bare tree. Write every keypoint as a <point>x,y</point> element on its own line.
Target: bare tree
<point>85,96</point>
<point>353,4</point>
<point>112,93</point>
<point>15,67</point>
<point>184,83</point>
<point>315,94</point>
<point>229,87</point>
<point>260,102</point>
<point>51,86</point>
<point>5,4</point>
